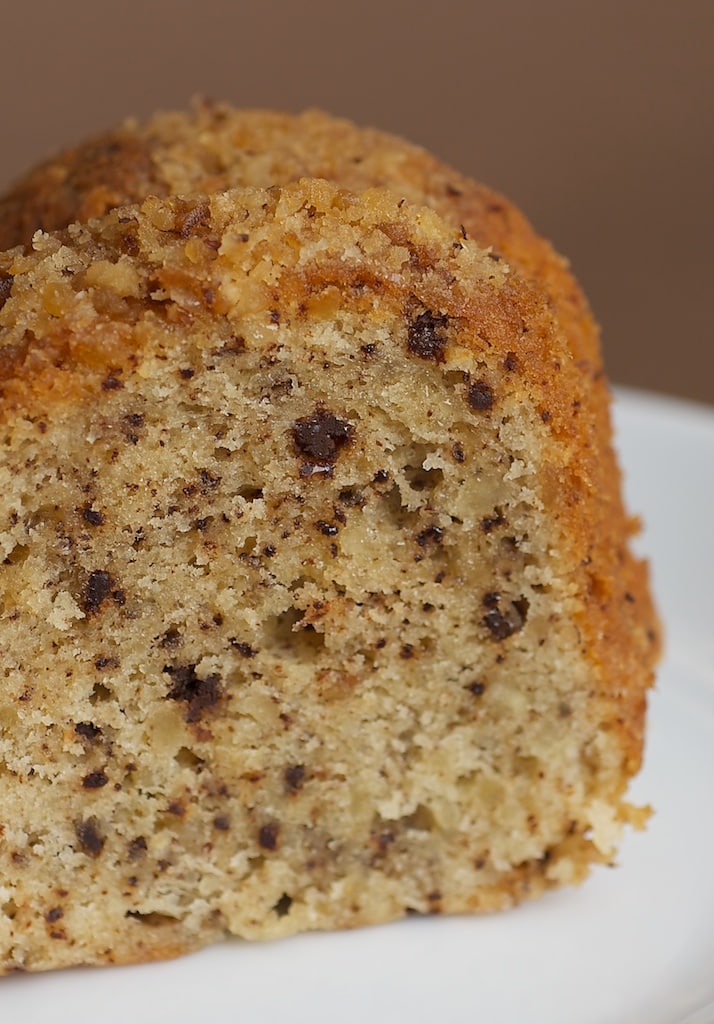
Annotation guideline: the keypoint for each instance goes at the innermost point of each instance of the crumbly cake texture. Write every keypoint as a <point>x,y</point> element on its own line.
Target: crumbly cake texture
<point>214,146</point>
<point>317,606</point>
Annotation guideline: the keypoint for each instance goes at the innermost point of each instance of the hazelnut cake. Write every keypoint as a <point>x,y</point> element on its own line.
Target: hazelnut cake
<point>317,601</point>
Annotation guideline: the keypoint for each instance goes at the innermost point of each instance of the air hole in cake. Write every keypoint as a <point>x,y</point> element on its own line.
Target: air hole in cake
<point>171,638</point>
<point>249,492</point>
<point>422,819</point>
<point>169,822</point>
<point>287,632</point>
<point>44,515</point>
<point>402,518</point>
<point>18,555</point>
<point>188,759</point>
<point>152,918</point>
<point>282,907</point>
<point>100,694</point>
<point>248,548</point>
<point>9,909</point>
<point>352,498</point>
<point>417,474</point>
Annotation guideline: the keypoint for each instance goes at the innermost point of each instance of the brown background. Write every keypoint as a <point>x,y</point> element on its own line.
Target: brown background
<point>594,115</point>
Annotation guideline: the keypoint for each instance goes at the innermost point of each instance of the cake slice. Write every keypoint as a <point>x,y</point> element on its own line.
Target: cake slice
<point>312,608</point>
<point>214,146</point>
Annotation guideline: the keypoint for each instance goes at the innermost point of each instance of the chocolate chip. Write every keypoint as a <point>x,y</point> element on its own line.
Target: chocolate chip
<point>329,529</point>
<point>5,289</point>
<point>458,452</point>
<point>269,836</point>
<point>112,383</point>
<point>96,590</point>
<point>187,372</point>
<point>209,481</point>
<point>106,662</point>
<point>95,780</point>
<point>503,620</point>
<point>137,848</point>
<point>480,396</point>
<point>352,498</point>
<point>431,535</point>
<point>197,693</point>
<point>321,437</point>
<point>477,689</point>
<point>54,915</point>
<point>92,517</point>
<point>90,837</point>
<point>489,523</point>
<point>245,649</point>
<point>130,424</point>
<point>510,363</point>
<point>222,823</point>
<point>295,777</point>
<point>425,336</point>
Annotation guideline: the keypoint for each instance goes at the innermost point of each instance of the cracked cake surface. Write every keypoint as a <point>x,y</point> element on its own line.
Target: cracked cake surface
<point>317,603</point>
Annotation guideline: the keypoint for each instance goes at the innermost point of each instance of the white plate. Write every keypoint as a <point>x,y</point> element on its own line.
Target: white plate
<point>634,945</point>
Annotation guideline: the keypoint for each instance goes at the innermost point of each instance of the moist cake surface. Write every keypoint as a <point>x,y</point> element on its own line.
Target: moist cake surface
<point>313,609</point>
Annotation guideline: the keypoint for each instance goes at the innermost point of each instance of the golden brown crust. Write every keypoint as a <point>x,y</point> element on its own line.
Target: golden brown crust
<point>215,147</point>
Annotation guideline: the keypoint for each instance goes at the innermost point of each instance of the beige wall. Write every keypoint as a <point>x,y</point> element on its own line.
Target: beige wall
<point>595,115</point>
